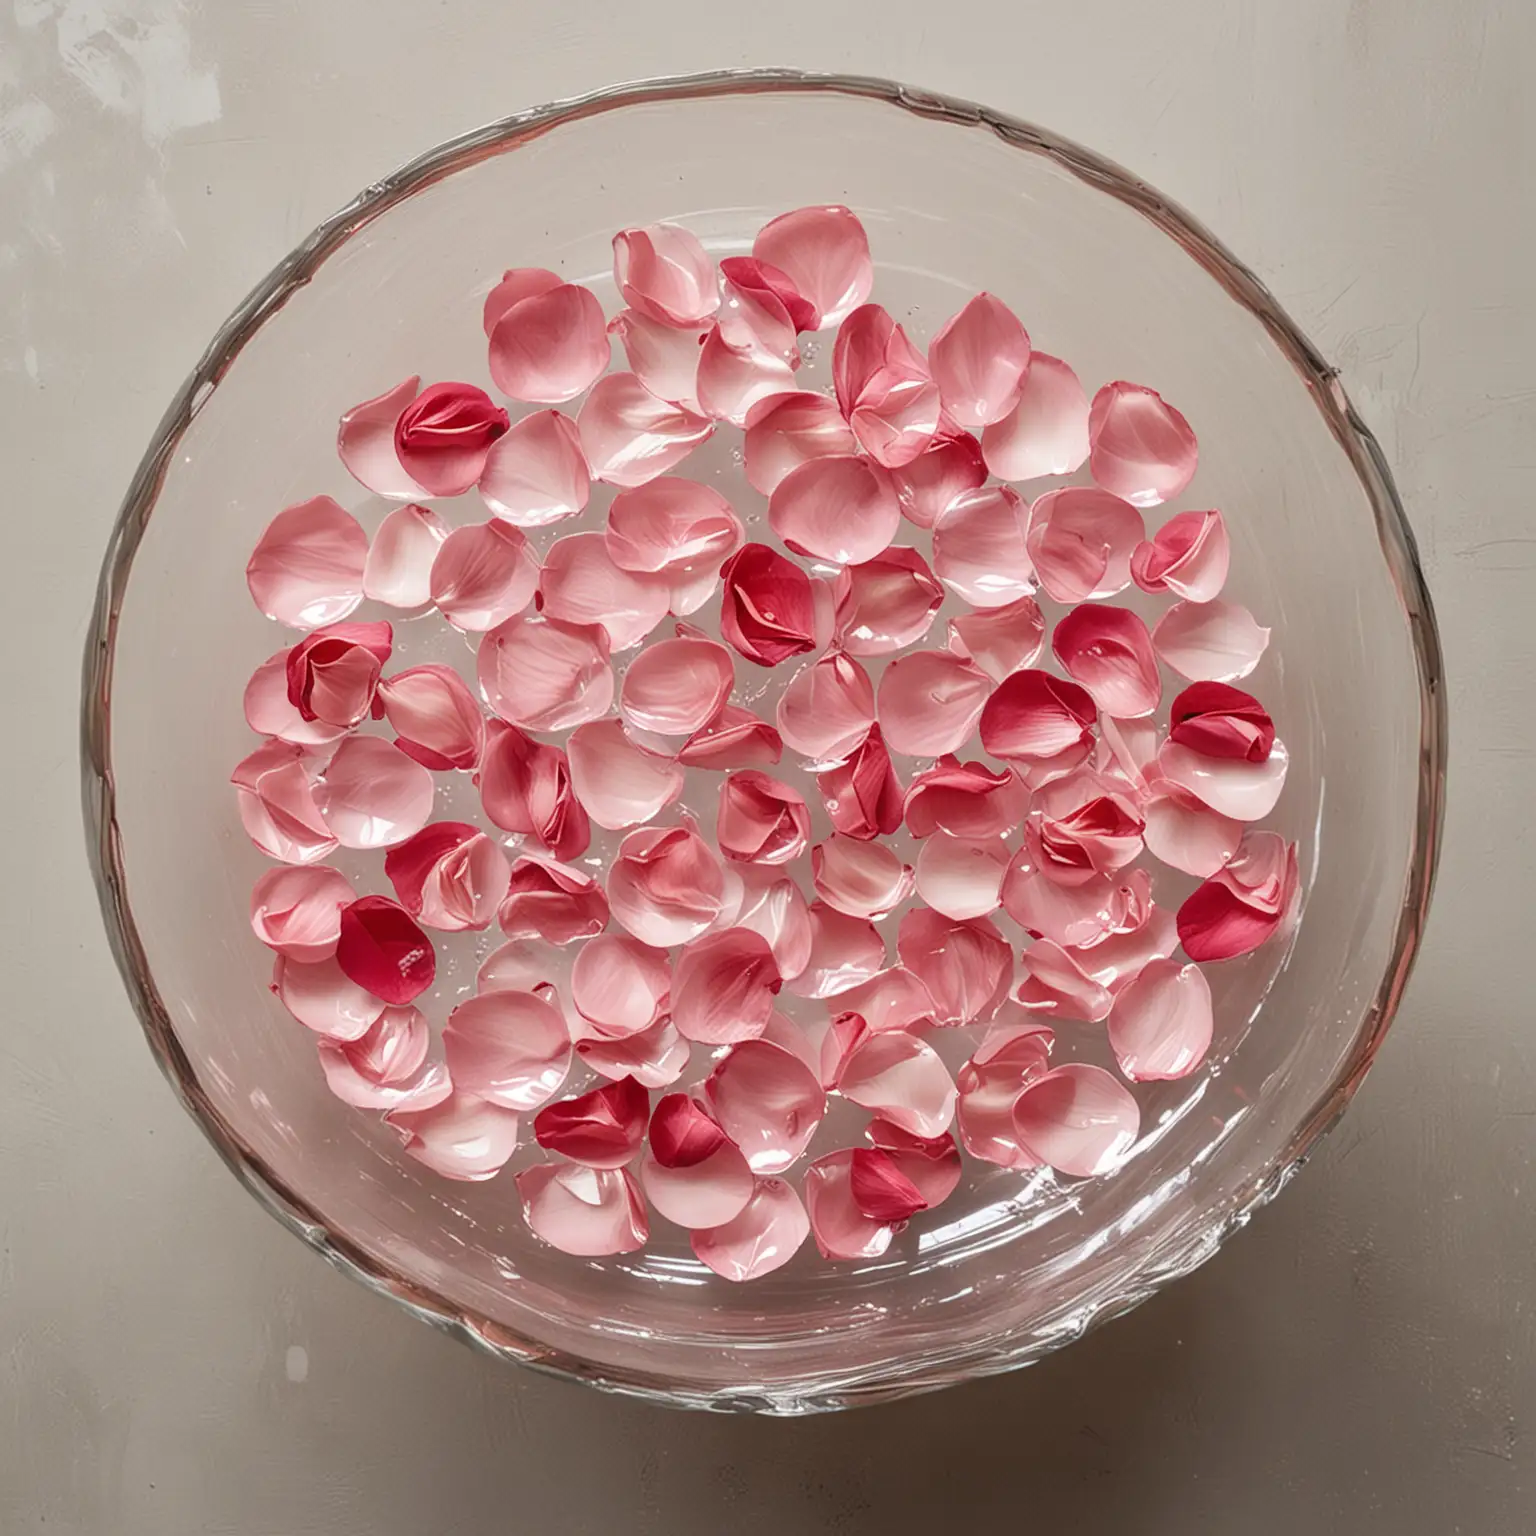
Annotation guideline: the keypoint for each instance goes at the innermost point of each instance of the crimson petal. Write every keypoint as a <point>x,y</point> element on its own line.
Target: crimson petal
<point>600,1129</point>
<point>1243,904</point>
<point>1108,650</point>
<point>880,1189</point>
<point>761,819</point>
<point>768,610</point>
<point>450,875</point>
<point>382,949</point>
<point>931,1164</point>
<point>442,438</point>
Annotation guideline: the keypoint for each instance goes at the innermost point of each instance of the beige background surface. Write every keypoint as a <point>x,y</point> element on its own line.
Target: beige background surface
<point>1362,1360</point>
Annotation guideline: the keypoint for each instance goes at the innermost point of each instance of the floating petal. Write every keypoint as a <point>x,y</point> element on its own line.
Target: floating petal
<point>827,709</point>
<point>927,486</point>
<point>1081,541</point>
<point>1077,1119</point>
<point>979,548</point>
<point>724,987</point>
<point>629,436</point>
<point>600,1129</point>
<point>902,1079</point>
<point>785,431</point>
<point>483,574</point>
<point>550,346</point>
<point>675,687</point>
<point>1160,1026</point>
<point>825,253</point>
<point>307,567</point>
<point>1108,650</point>
<point>1210,642</point>
<point>450,876</point>
<point>399,565</point>
<point>862,794</point>
<point>373,795</point>
<point>365,441</point>
<point>665,886</point>
<point>841,1229</point>
<point>841,508</point>
<point>664,272</point>
<point>1046,433</point>
<point>443,437</point>
<point>322,997</point>
<point>845,951</point>
<point>510,1048</point>
<point>1142,449</point>
<point>1188,555</point>
<point>277,805</point>
<point>588,1212</point>
<point>619,985</point>
<point>980,359</point>
<point>553,902</point>
<point>580,584</point>
<point>961,877</point>
<point>1244,903</point>
<point>435,717</point>
<point>763,1238</point>
<point>885,604</point>
<point>859,878</point>
<point>966,966</point>
<point>297,911</point>
<point>537,473</point>
<point>768,1101</point>
<point>461,1137</point>
<point>525,786</point>
<point>930,702</point>
<point>383,950</point>
<point>545,675</point>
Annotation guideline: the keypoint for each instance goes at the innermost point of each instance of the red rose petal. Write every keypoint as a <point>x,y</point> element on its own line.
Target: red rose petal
<point>619,985</point>
<point>1108,650</point>
<point>768,1101</point>
<point>483,574</point>
<point>665,885</point>
<point>881,1191</point>
<point>322,997</point>
<point>824,252</point>
<point>1220,721</point>
<point>1081,541</point>
<point>1142,449</point>
<point>1210,642</point>
<point>398,570</point>
<point>768,610</point>
<point>683,1133</point>
<point>931,1164</point>
<point>763,280</point>
<point>930,702</point>
<point>297,911</point>
<point>787,430</point>
<point>827,709</point>
<point>903,1080</point>
<point>723,988</point>
<point>373,795</point>
<point>600,1129</point>
<point>763,1238</point>
<point>435,717</point>
<point>629,436</point>
<point>1160,1026</point>
<point>384,951</point>
<point>980,359</point>
<point>885,604</point>
<point>675,687</point>
<point>450,876</point>
<point>365,442</point>
<point>1046,433</point>
<point>277,805</point>
<point>841,1229</point>
<point>1077,1119</point>
<point>549,346</point>
<point>967,800</point>
<point>664,272</point>
<point>508,1048</point>
<point>461,1137</point>
<point>1039,721</point>
<point>443,436</point>
<point>966,966</point>
<point>587,1212</point>
<point>545,675</point>
<point>333,673</point>
<point>307,567</point>
<point>525,786</point>
<point>839,508</point>
<point>1243,904</point>
<point>537,473</point>
<point>580,584</point>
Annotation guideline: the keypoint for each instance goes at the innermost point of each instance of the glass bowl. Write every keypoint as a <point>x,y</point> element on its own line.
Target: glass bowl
<point>956,199</point>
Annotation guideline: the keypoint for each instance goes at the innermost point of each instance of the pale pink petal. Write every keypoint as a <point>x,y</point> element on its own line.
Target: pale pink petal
<point>297,911</point>
<point>859,878</point>
<point>1011,1056</point>
<point>520,965</point>
<point>525,786</point>
<point>845,1033</point>
<point>1142,449</point>
<point>1066,914</point>
<point>553,902</point>
<point>1077,1119</point>
<point>1187,834</point>
<point>1127,748</point>
<point>1054,985</point>
<point>999,640</point>
<point>884,388</point>
<point>966,966</point>
<point>580,584</point>
<point>979,550</point>
<point>1098,835</point>
<point>885,604</point>
<point>929,484</point>
<point>693,1174</point>
<point>270,712</point>
<point>1081,541</point>
<point>629,436</point>
<point>366,442</point>
<point>663,271</point>
<point>373,795</point>
<point>1160,1026</point>
<point>278,807</point>
<point>839,508</point>
<point>1248,901</point>
<point>665,358</point>
<point>862,794</point>
<point>620,784</point>
<point>734,379</point>
<point>603,1128</point>
<point>450,876</point>
<point>386,1068</point>
<point>619,985</point>
<point>1210,642</point>
<point>483,575</point>
<point>930,702</point>
<point>980,359</point>
<point>435,717</point>
<point>967,800</point>
<point>723,988</point>
<point>825,253</point>
<point>1231,787</point>
<point>672,525</point>
<point>902,1079</point>
<point>444,436</point>
<point>675,687</point>
<point>773,905</point>
<point>517,284</point>
<point>785,431</point>
<point>461,1137</point>
<point>930,1164</point>
<point>507,1047</point>
<point>845,952</point>
<point>1046,433</point>
<point>827,709</point>
<point>754,319</point>
<point>537,473</point>
<point>399,567</point>
<point>768,1101</point>
<point>841,1229</point>
<point>960,877</point>
<point>665,885</point>
<point>383,949</point>
<point>1188,556</point>
<point>655,1058</point>
<point>763,1238</point>
<point>891,999</point>
<point>1108,650</point>
<point>588,1212</point>
<point>307,567</point>
<point>687,594</point>
<point>735,738</point>
<point>322,997</point>
<point>1127,951</point>
<point>768,611</point>
<point>762,281</point>
<point>1039,721</point>
<point>549,346</point>
<point>545,675</point>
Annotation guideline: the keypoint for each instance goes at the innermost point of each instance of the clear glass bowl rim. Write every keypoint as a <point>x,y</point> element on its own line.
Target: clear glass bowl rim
<point>104,843</point>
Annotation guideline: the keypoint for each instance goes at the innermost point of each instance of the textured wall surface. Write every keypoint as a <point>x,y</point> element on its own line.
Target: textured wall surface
<point>1363,1359</point>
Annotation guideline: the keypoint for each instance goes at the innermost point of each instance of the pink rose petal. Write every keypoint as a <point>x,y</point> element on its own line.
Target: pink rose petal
<point>693,1174</point>
<point>768,1101</point>
<point>967,800</point>
<point>884,387</point>
<point>827,709</point>
<point>442,438</point>
<point>382,949</point>
<point>620,785</point>
<point>672,525</point>
<point>723,988</point>
<point>1188,555</point>
<point>1108,650</point>
<point>1055,986</point>
<point>930,702</point>
<point>845,1033</point>
<point>386,1068</point>
<point>966,966</point>
<point>665,886</point>
<point>521,965</point>
<point>619,985</point>
<point>734,379</point>
<point>841,1229</point>
<point>483,574</point>
<point>655,1058</point>
<point>307,567</point>
<point>787,430</point>
<point>508,1048</point>
<point>1096,837</point>
<point>1039,721</point>
<point>752,318</point>
<point>881,1191</point>
<point>1070,914</point>
<point>845,952</point>
<point>1133,943</point>
<point>903,1080</point>
<point>553,902</point>
<point>322,997</point>
<point>1011,1056</point>
<point>270,712</point>
<point>1160,1026</point>
<point>525,786</point>
<point>999,640</point>
<point>450,876</point>
<point>435,717</point>
<point>665,358</point>
<point>980,359</point>
<point>885,604</point>
<point>333,673</point>
<point>859,878</point>
<point>735,738</point>
<point>1077,1119</point>
<point>580,584</point>
<point>1187,834</point>
<point>1232,787</point>
<point>763,1238</point>
<point>629,436</point>
<point>517,284</point>
<point>768,610</point>
<point>761,819</point>
<point>1244,903</point>
<point>927,486</point>
<point>891,999</point>
<point>1210,642</point>
<point>930,1164</point>
<point>545,675</point>
<point>772,905</point>
<point>862,794</point>
<point>537,473</point>
<point>365,440</point>
<point>549,346</point>
<point>979,550</point>
<point>461,1137</point>
<point>664,272</point>
<point>825,253</point>
<point>1127,748</point>
<point>763,281</point>
<point>297,911</point>
<point>961,877</point>
<point>588,1212</point>
<point>1081,541</point>
<point>1046,433</point>
<point>839,508</point>
<point>600,1129</point>
<point>1142,449</point>
<point>399,565</point>
<point>277,806</point>
<point>675,687</point>
<point>373,795</point>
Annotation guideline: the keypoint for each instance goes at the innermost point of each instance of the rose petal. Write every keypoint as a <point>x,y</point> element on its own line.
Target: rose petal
<point>825,253</point>
<point>704,1194</point>
<point>1077,1119</point>
<point>277,805</point>
<point>768,610</point>
<point>435,716</point>
<point>787,430</point>
<point>1046,433</point>
<point>620,784</point>
<point>862,794</point>
<point>966,966</point>
<point>588,1212</point>
<point>930,1164</point>
<point>675,687</point>
<point>1097,832</point>
<point>664,272</point>
<point>1131,947</point>
<point>862,879</point>
<point>580,584</point>
<point>1009,1058</point>
<point>461,1137</point>
<point>545,675</point>
<point>517,284</point>
<point>774,907</point>
<point>902,1079</point>
<point>1188,555</point>
<point>979,550</point>
<point>1231,787</point>
<point>322,997</point>
<point>382,949</point>
<point>553,902</point>
<point>549,346</point>
<point>763,280</point>
<point>1161,1023</point>
<point>827,709</point>
<point>307,567</point>
<point>297,912</point>
<point>365,441</point>
<point>1108,650</point>
<point>1142,449</point>
<point>1127,748</point>
<point>442,438</point>
<point>270,712</point>
<point>521,965</point>
<point>399,565</point>
<point>600,1129</point>
<point>733,379</point>
<point>1054,985</point>
<point>841,1229</point>
<point>884,387</point>
<point>844,1035</point>
<point>980,359</point>
<point>928,485</point>
<point>845,951</point>
<point>967,800</point>
<point>999,640</point>
<point>665,358</point>
<point>1081,541</point>
<point>885,604</point>
<point>655,1058</point>
<point>508,1048</point>
<point>724,987</point>
<point>881,1191</point>
<point>840,508</point>
<point>960,877</point>
<point>735,738</point>
<point>665,886</point>
<point>761,819</point>
<point>672,525</point>
<point>1187,834</point>
<point>753,319</point>
<point>767,1101</point>
<point>891,999</point>
<point>483,574</point>
<point>930,702</point>
<point>334,672</point>
<point>763,1238</point>
<point>387,1067</point>
<point>629,436</point>
<point>1040,721</point>
<point>450,876</point>
<point>1244,903</point>
<point>1210,642</point>
<point>537,473</point>
<point>525,786</point>
<point>683,1133</point>
<point>619,985</point>
<point>373,795</point>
